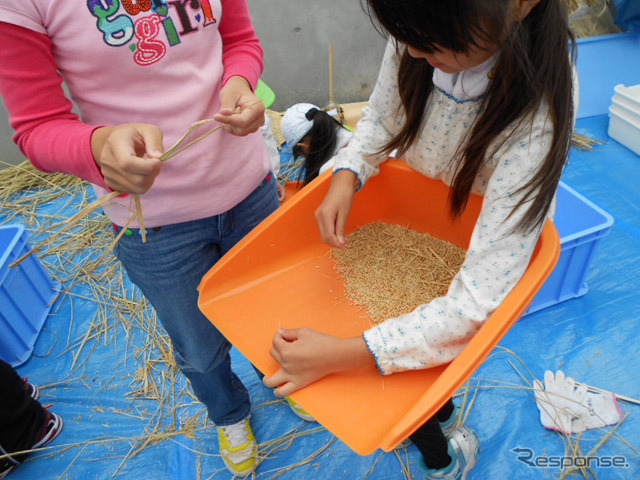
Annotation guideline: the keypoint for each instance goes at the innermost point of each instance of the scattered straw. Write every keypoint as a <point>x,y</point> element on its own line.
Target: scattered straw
<point>582,142</point>
<point>80,258</point>
<point>404,466</point>
<point>373,466</point>
<point>305,461</point>
<point>573,444</point>
<point>157,389</point>
<point>390,269</point>
<point>78,254</point>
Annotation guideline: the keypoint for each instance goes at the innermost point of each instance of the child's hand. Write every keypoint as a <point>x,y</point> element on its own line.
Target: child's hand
<point>282,193</point>
<point>241,112</point>
<point>333,212</point>
<point>128,155</point>
<point>306,355</point>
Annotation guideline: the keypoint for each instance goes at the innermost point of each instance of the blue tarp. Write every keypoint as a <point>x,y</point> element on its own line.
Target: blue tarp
<point>594,338</point>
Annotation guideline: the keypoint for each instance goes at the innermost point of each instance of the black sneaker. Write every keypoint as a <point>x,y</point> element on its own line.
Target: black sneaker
<point>50,430</point>
<point>8,464</point>
<point>34,392</point>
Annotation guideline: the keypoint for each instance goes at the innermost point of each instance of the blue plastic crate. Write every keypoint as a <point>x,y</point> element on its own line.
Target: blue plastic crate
<point>580,224</point>
<point>26,295</point>
<point>604,62</point>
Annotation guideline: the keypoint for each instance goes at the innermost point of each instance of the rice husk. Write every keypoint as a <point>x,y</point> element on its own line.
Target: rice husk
<point>390,269</point>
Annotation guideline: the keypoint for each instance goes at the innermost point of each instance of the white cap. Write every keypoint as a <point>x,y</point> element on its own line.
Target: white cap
<point>295,124</point>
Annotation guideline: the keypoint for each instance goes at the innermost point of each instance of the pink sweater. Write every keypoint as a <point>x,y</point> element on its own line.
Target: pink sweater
<point>163,65</point>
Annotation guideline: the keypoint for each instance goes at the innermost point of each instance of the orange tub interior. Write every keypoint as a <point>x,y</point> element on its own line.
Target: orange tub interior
<point>281,275</point>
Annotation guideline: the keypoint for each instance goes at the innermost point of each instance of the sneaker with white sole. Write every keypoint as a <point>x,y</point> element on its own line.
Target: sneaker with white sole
<point>464,448</point>
<point>298,410</point>
<point>449,425</point>
<point>238,447</point>
<point>32,390</point>
<point>50,430</point>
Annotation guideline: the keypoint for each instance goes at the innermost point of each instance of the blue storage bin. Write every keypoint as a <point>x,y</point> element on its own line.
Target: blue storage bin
<point>604,62</point>
<point>580,224</point>
<point>26,295</point>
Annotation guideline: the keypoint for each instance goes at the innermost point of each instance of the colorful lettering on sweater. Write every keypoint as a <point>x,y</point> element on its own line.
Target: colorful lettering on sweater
<point>149,27</point>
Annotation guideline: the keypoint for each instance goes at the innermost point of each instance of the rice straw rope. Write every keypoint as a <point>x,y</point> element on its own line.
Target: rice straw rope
<point>174,150</point>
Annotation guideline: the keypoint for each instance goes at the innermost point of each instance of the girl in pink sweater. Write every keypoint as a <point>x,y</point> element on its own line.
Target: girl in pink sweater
<point>141,72</point>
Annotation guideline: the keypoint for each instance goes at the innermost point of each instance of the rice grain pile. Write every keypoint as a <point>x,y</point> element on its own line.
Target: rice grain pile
<point>390,269</point>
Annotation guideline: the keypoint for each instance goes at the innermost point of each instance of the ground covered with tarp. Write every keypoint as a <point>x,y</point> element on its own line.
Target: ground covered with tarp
<point>104,364</point>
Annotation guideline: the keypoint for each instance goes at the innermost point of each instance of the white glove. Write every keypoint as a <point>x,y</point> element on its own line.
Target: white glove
<point>570,409</point>
<point>558,401</point>
<point>597,410</point>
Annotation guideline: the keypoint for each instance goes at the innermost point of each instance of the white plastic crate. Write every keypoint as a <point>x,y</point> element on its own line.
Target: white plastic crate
<point>624,127</point>
<point>628,97</point>
<point>624,117</point>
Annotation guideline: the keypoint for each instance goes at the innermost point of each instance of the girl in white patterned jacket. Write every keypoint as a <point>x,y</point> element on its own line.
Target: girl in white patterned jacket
<point>478,94</point>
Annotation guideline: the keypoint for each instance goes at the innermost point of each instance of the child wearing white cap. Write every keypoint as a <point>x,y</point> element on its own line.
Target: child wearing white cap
<point>315,135</point>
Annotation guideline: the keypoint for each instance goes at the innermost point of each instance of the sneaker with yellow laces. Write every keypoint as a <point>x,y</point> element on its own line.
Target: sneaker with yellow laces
<point>238,447</point>
<point>298,410</point>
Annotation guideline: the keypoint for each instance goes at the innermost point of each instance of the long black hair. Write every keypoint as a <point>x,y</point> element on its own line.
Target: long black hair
<point>533,67</point>
<point>323,138</point>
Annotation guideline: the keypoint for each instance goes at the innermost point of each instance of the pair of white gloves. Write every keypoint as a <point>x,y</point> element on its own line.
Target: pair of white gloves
<point>570,408</point>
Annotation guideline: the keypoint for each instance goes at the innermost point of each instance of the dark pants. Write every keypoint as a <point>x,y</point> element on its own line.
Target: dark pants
<point>21,417</point>
<point>430,440</point>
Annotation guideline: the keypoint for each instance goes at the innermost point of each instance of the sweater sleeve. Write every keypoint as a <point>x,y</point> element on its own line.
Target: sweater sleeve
<point>47,132</point>
<point>381,119</point>
<point>242,53</point>
<point>498,254</point>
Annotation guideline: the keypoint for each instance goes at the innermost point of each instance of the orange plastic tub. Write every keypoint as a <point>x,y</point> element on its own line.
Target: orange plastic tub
<point>281,275</point>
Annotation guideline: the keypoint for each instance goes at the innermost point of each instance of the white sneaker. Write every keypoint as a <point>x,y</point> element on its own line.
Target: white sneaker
<point>463,450</point>
<point>238,448</point>
<point>449,425</point>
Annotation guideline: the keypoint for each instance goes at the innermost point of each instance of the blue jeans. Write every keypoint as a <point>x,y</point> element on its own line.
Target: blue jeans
<point>168,269</point>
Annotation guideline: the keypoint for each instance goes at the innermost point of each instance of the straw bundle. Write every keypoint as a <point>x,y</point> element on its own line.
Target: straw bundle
<point>391,269</point>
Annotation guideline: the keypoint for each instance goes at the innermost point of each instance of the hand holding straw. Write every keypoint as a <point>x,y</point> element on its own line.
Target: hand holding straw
<point>174,150</point>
